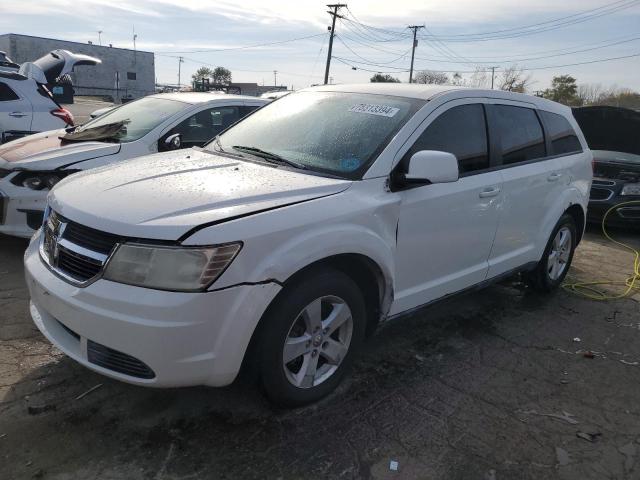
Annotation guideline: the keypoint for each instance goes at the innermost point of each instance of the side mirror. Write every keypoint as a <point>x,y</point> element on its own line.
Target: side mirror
<point>172,142</point>
<point>432,166</point>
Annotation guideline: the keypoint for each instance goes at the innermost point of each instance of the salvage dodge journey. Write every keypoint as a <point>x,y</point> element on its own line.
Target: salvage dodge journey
<point>284,242</point>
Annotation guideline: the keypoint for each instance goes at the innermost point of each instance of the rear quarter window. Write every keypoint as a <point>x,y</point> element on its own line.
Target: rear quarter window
<point>562,136</point>
<point>6,93</point>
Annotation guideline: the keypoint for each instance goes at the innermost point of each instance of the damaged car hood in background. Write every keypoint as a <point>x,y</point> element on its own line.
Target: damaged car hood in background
<point>46,151</point>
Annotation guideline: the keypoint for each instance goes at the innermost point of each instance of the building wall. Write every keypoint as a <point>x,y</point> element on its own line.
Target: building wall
<point>255,90</point>
<point>91,80</point>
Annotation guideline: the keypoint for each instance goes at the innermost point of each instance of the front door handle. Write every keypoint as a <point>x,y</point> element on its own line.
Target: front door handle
<point>17,114</point>
<point>490,192</point>
<point>554,176</point>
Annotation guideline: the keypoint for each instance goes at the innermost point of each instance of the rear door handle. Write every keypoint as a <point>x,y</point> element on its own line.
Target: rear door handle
<point>17,114</point>
<point>490,192</point>
<point>553,177</point>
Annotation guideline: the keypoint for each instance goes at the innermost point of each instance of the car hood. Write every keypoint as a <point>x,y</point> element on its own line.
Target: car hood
<point>164,196</point>
<point>45,151</point>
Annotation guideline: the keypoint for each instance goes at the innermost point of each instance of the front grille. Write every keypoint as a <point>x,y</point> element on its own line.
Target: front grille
<point>78,266</point>
<point>77,252</point>
<point>629,212</point>
<point>600,193</point>
<point>90,238</point>
<point>117,361</point>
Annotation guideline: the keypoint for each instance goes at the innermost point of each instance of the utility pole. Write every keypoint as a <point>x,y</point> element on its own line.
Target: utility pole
<point>493,74</point>
<point>180,62</point>
<point>275,78</point>
<point>413,49</point>
<point>334,14</point>
<point>100,37</point>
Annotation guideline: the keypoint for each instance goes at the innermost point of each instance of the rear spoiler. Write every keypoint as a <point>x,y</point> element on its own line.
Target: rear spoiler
<point>55,64</point>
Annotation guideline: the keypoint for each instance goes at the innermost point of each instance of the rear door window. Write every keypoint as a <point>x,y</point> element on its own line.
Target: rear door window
<point>519,132</point>
<point>460,130</point>
<point>561,134</point>
<point>6,93</point>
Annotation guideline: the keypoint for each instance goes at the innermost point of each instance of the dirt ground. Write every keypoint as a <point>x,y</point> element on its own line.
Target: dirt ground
<point>490,385</point>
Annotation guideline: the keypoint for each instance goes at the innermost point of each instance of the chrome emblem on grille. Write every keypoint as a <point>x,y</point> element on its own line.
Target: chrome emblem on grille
<point>53,232</point>
<point>54,249</point>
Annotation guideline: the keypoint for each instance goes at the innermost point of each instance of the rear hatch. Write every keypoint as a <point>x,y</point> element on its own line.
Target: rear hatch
<point>55,64</point>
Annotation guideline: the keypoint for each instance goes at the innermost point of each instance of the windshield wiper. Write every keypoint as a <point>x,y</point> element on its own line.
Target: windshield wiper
<point>269,156</point>
<point>216,140</point>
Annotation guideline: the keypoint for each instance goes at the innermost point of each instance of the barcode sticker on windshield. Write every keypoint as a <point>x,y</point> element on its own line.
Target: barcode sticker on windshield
<point>381,110</point>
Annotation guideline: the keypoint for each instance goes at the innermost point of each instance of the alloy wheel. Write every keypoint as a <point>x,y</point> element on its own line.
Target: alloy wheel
<point>559,254</point>
<point>317,342</point>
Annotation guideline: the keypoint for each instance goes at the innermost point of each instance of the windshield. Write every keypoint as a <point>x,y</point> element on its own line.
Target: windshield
<point>336,133</point>
<point>135,119</point>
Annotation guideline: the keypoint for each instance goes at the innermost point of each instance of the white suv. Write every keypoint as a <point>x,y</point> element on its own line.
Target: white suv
<point>294,233</point>
<point>26,105</point>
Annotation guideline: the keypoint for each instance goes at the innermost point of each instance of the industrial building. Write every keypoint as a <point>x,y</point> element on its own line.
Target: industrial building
<point>123,74</point>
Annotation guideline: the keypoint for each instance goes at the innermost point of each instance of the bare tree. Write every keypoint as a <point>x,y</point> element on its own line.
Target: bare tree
<point>479,78</point>
<point>513,79</point>
<point>431,77</point>
<point>590,93</point>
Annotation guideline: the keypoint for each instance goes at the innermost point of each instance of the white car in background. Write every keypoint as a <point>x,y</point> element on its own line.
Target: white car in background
<point>30,166</point>
<point>293,234</point>
<point>26,104</point>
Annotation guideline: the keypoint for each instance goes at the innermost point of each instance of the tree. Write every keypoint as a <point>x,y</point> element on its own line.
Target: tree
<point>202,73</point>
<point>386,78</point>
<point>563,90</point>
<point>479,78</point>
<point>431,77</point>
<point>513,79</point>
<point>590,93</point>
<point>221,76</point>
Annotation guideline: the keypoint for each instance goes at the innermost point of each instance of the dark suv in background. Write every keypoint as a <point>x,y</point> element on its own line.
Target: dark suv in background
<point>613,135</point>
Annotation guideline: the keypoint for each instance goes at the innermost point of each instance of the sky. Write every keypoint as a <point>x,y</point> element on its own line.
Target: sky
<point>372,36</point>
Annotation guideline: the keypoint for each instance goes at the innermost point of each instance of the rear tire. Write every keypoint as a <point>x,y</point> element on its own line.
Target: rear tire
<point>556,259</point>
<point>310,337</point>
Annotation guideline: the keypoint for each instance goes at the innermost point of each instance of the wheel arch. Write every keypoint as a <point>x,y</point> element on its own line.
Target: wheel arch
<point>577,212</point>
<point>376,288</point>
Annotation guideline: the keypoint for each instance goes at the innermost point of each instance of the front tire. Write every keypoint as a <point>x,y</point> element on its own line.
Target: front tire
<point>556,259</point>
<point>310,337</point>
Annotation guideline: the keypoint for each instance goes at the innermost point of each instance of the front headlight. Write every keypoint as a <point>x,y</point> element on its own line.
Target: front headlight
<point>40,180</point>
<point>631,189</point>
<point>184,269</point>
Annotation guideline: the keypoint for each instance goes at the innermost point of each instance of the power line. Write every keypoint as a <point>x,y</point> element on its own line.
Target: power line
<point>514,32</point>
<point>401,56</point>
<point>493,60</point>
<point>350,62</point>
<point>586,15</point>
<point>204,50</point>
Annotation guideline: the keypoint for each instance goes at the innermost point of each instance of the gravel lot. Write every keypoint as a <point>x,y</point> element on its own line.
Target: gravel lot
<point>490,385</point>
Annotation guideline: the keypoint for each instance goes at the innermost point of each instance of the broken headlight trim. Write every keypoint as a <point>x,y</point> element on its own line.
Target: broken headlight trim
<point>180,269</point>
<point>631,189</point>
